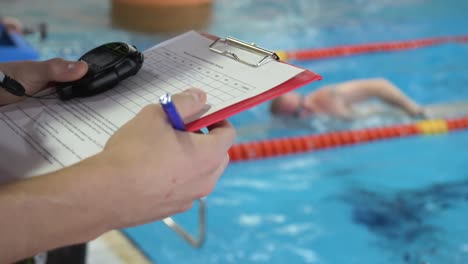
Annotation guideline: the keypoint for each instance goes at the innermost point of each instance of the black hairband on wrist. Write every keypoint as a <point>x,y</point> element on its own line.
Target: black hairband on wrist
<point>11,85</point>
<point>14,87</point>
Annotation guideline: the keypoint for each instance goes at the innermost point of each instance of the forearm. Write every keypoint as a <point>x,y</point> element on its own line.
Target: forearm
<point>388,92</point>
<point>53,210</point>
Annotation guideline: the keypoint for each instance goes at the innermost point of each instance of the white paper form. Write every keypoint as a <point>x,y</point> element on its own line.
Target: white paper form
<point>40,136</point>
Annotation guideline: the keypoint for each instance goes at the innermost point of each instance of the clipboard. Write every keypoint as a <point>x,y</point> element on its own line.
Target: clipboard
<point>85,125</point>
<point>232,48</point>
<point>260,56</point>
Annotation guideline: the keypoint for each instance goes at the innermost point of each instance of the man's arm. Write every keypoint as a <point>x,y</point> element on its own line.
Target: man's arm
<point>58,209</point>
<point>137,178</point>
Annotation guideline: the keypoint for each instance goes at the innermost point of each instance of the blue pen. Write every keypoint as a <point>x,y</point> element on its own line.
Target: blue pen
<point>171,112</point>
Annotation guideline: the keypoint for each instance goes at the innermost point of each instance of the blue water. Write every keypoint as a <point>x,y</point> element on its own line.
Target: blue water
<point>400,201</point>
<point>397,201</point>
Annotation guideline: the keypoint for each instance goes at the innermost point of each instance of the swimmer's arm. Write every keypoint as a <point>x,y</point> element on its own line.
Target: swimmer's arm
<point>61,208</point>
<point>359,90</point>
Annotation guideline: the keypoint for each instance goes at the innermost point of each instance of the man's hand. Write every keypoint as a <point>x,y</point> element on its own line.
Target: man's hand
<point>160,171</point>
<point>35,76</point>
<point>147,171</point>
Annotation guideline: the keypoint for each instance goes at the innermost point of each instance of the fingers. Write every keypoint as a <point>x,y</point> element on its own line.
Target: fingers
<point>189,102</point>
<point>213,178</point>
<point>221,136</point>
<point>212,147</point>
<point>202,187</point>
<point>59,70</point>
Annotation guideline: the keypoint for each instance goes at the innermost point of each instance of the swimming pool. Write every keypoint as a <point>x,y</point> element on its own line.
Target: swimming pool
<point>397,201</point>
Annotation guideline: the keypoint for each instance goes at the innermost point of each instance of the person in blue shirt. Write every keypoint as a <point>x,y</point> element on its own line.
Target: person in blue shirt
<point>12,24</point>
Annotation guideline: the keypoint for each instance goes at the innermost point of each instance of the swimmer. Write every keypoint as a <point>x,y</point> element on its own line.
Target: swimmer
<point>346,106</point>
<point>338,100</point>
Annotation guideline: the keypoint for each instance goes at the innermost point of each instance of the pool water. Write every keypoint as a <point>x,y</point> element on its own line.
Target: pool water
<point>399,201</point>
<point>395,201</point>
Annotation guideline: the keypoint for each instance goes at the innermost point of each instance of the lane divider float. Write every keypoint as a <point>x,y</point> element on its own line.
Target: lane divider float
<point>284,146</point>
<point>348,50</point>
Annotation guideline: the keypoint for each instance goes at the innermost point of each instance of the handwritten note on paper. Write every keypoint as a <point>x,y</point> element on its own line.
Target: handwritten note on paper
<point>46,135</point>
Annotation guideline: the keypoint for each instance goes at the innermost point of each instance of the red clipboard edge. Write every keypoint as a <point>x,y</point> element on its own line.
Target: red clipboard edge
<point>297,81</point>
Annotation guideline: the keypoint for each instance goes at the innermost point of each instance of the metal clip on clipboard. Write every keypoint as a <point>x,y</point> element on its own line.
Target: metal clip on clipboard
<point>224,47</point>
<point>194,242</point>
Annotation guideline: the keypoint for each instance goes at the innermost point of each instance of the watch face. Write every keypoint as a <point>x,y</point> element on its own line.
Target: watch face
<point>100,59</point>
<point>118,48</point>
<point>106,54</point>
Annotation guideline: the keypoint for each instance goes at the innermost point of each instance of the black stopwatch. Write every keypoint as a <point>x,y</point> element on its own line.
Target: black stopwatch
<point>107,66</point>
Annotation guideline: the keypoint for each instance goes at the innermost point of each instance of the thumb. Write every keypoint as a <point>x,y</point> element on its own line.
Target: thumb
<point>189,102</point>
<point>59,70</point>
